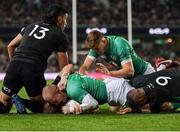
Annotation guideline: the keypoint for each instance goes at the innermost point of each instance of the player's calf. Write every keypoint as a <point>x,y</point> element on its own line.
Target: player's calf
<point>5,103</point>
<point>3,108</point>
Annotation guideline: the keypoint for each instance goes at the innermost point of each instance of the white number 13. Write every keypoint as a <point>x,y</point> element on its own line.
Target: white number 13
<point>42,30</point>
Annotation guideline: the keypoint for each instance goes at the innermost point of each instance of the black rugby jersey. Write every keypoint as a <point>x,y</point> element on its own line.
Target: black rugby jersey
<point>39,41</point>
<point>161,86</point>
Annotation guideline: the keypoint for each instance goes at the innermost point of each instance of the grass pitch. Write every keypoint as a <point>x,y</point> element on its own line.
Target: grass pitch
<point>101,121</point>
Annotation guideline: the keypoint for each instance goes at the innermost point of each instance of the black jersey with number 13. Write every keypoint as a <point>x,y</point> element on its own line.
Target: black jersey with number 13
<point>39,41</point>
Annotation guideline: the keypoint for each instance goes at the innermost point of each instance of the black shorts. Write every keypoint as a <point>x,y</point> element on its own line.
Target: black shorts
<point>21,74</point>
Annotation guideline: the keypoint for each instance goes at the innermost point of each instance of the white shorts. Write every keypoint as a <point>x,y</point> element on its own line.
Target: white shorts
<point>117,89</point>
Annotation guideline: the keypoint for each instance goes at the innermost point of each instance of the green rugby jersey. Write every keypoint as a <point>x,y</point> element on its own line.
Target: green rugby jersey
<point>78,86</point>
<point>119,52</point>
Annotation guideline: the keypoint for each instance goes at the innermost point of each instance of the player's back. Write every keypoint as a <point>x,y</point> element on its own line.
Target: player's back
<point>123,51</point>
<point>39,41</point>
<point>79,85</point>
<point>165,80</point>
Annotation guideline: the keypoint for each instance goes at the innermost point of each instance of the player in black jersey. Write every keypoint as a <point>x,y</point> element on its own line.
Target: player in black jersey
<point>155,89</point>
<point>29,52</point>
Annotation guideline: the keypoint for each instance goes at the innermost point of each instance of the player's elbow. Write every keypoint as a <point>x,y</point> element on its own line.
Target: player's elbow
<point>9,47</point>
<point>95,105</point>
<point>89,103</point>
<point>90,106</point>
<point>130,73</point>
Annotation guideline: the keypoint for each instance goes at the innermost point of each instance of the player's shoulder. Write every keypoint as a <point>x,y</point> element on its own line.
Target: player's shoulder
<point>118,41</point>
<point>74,76</point>
<point>33,24</point>
<point>47,25</point>
<point>113,37</point>
<point>54,30</point>
<point>123,42</point>
<point>57,31</point>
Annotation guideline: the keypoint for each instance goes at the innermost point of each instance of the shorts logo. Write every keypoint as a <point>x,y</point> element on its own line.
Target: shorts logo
<point>7,89</point>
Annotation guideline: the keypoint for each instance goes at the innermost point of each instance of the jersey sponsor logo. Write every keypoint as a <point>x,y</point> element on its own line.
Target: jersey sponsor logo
<point>162,80</point>
<point>41,32</point>
<point>7,89</point>
<point>150,86</point>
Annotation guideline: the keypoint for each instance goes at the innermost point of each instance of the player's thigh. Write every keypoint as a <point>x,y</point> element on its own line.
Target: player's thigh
<point>12,81</point>
<point>34,82</point>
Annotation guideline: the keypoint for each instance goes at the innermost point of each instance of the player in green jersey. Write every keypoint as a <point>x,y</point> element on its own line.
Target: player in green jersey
<point>88,92</point>
<point>117,51</point>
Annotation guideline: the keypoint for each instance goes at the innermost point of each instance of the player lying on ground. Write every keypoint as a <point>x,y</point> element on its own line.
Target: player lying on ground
<point>22,104</point>
<point>158,87</point>
<point>90,93</point>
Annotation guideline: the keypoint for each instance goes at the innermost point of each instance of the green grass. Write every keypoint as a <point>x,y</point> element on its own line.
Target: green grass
<point>101,121</point>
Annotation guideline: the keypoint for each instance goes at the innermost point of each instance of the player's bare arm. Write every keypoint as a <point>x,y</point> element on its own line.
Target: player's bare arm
<point>64,74</point>
<point>86,65</point>
<point>88,104</point>
<point>62,59</point>
<point>13,44</point>
<point>124,111</point>
<point>127,70</point>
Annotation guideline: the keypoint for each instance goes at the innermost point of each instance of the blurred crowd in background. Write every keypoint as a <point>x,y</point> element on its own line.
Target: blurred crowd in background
<point>94,13</point>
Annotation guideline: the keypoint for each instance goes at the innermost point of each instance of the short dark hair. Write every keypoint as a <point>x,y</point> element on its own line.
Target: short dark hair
<point>131,102</point>
<point>93,38</point>
<point>53,12</point>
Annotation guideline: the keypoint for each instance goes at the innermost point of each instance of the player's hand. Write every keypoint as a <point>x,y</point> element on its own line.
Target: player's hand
<point>66,110</point>
<point>72,109</point>
<point>62,84</point>
<point>77,109</point>
<point>124,111</point>
<point>102,68</point>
